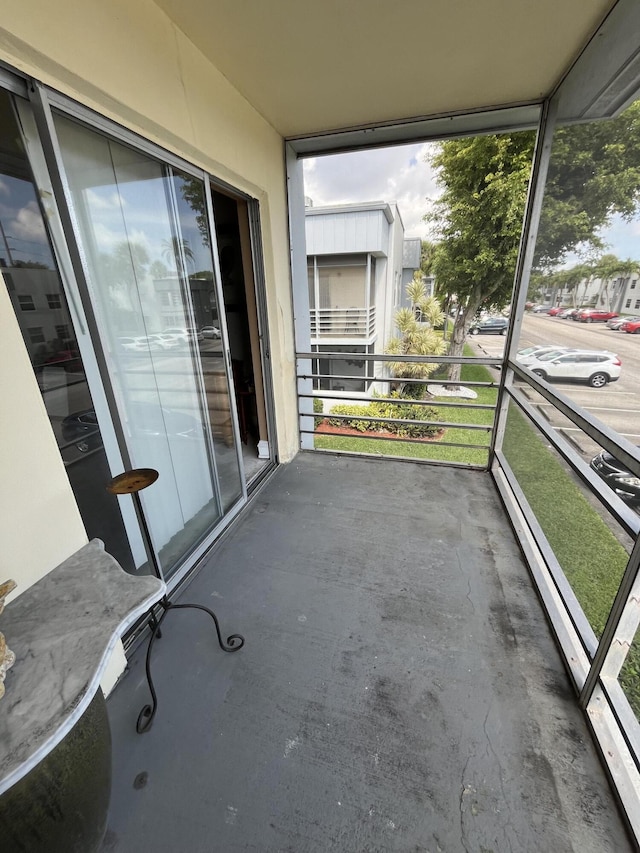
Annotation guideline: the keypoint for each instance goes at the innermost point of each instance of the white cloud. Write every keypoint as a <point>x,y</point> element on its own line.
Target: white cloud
<point>27,224</point>
<point>101,201</point>
<point>397,174</point>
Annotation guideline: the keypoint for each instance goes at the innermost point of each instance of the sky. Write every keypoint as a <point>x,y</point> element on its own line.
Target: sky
<point>401,174</point>
<point>397,174</point>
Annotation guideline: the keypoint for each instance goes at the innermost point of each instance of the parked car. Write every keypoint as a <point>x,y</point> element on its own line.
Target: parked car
<point>568,313</point>
<point>147,421</point>
<point>595,367</point>
<point>632,327</point>
<point>490,326</point>
<point>184,335</point>
<point>617,476</point>
<point>591,315</point>
<point>541,309</point>
<point>210,332</point>
<point>142,343</point>
<point>553,312</point>
<point>526,356</point>
<point>616,322</point>
<point>165,340</point>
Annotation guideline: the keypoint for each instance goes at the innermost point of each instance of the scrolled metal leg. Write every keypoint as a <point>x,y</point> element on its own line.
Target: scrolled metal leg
<point>233,644</point>
<point>146,715</point>
<point>234,641</point>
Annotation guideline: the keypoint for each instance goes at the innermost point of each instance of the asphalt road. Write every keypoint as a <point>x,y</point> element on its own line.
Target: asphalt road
<point>617,404</point>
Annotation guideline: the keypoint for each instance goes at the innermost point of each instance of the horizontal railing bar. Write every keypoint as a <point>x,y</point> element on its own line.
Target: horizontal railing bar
<point>607,438</point>
<point>353,378</point>
<point>401,401</point>
<point>383,420</point>
<point>625,516</point>
<point>404,359</point>
<point>415,460</point>
<point>368,437</point>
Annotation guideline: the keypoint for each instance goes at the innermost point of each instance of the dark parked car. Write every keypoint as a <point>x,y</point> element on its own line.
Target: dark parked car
<point>490,326</point>
<point>617,476</point>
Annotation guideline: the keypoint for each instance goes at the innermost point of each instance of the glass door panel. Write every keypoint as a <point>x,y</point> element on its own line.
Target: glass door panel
<point>138,233</point>
<point>196,251</point>
<point>31,275</point>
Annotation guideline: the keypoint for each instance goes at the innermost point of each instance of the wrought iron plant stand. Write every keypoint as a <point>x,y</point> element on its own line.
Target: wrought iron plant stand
<point>132,483</point>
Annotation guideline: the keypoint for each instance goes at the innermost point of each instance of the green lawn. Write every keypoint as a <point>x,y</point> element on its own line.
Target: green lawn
<point>590,555</point>
<point>432,450</point>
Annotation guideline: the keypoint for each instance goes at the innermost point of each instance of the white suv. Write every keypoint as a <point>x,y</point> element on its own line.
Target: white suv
<point>595,367</point>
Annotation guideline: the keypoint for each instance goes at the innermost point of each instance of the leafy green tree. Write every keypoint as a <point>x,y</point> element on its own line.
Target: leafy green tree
<point>478,219</point>
<point>594,173</point>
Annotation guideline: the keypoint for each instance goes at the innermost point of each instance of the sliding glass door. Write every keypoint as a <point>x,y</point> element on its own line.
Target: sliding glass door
<point>144,231</point>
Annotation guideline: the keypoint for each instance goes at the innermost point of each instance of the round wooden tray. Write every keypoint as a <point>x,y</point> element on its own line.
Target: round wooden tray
<point>132,481</point>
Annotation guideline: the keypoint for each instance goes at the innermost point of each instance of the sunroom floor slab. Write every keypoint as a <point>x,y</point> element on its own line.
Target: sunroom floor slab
<point>399,689</point>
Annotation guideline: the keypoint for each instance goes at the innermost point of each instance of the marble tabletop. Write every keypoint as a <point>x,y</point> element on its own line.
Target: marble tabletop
<point>62,631</point>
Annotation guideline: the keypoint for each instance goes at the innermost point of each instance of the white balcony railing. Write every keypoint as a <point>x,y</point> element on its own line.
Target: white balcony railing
<point>342,322</point>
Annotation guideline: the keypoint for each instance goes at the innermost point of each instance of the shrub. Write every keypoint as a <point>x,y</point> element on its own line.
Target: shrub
<point>318,407</point>
<point>384,408</point>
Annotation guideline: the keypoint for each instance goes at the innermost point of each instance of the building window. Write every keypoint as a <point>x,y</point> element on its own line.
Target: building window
<point>36,334</point>
<point>26,303</point>
<point>53,300</point>
<point>637,305</point>
<point>63,332</point>
<point>633,284</point>
<point>627,304</point>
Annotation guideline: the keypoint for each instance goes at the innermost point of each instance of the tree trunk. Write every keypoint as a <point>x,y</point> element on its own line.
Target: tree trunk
<point>464,318</point>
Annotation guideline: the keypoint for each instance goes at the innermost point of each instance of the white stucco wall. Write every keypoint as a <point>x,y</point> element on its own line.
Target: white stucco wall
<point>126,60</point>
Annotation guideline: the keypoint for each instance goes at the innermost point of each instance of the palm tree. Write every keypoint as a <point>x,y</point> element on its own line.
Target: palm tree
<point>177,247</point>
<point>417,337</point>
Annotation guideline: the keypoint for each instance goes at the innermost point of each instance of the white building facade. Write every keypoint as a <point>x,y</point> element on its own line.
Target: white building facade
<point>358,265</point>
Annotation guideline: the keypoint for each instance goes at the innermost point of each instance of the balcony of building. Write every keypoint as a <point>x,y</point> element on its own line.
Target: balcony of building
<point>342,323</point>
<point>399,689</point>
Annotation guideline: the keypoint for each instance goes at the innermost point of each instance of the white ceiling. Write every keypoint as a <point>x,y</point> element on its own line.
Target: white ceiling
<point>317,65</point>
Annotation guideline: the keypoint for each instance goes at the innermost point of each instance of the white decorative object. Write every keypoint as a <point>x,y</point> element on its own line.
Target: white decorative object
<point>7,657</point>
<point>263,450</point>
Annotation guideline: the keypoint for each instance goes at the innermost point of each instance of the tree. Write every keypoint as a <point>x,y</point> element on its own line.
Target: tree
<point>608,268</point>
<point>173,247</point>
<point>417,336</point>
<point>478,219</point>
<point>594,173</point>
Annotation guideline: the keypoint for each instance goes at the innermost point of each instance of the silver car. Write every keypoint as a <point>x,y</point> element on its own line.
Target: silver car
<point>595,367</point>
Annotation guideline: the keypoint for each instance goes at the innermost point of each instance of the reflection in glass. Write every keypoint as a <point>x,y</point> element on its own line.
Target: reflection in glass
<point>33,282</point>
<point>151,283</point>
<point>592,552</point>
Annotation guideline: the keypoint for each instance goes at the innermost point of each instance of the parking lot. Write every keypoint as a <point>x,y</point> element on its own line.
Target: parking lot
<point>617,404</point>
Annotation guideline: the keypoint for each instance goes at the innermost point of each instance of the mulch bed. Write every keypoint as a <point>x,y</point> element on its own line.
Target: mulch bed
<point>325,428</point>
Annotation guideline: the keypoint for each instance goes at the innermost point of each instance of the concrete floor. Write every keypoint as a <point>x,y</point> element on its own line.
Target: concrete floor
<point>398,691</point>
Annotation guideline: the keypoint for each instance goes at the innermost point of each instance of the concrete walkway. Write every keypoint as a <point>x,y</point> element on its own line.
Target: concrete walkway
<point>399,689</point>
